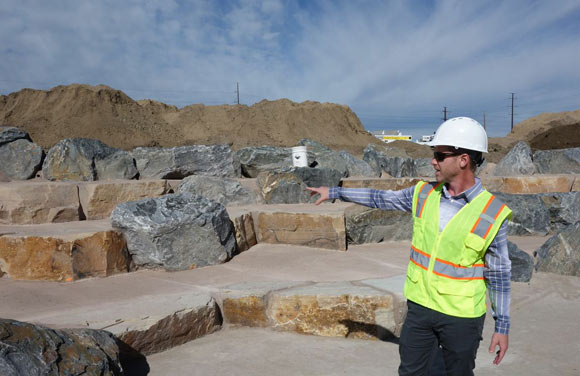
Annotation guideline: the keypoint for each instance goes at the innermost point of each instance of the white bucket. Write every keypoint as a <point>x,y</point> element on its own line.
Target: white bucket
<point>299,157</point>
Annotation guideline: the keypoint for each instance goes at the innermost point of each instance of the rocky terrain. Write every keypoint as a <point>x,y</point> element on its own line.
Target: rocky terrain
<point>231,220</point>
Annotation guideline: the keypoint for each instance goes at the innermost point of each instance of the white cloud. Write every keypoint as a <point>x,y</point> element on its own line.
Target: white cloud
<point>387,60</point>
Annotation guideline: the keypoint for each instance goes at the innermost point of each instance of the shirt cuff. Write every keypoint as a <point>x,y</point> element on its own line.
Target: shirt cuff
<point>502,326</point>
<point>333,193</point>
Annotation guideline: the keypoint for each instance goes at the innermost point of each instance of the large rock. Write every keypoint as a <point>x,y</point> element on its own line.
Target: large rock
<point>34,202</point>
<point>98,199</point>
<point>10,134</point>
<point>423,168</point>
<point>62,253</point>
<point>368,225</point>
<point>87,160</point>
<point>564,209</point>
<point>176,232</point>
<point>357,167</point>
<point>561,253</point>
<point>182,161</point>
<point>530,214</point>
<point>395,164</point>
<point>562,161</point>
<point>522,264</point>
<point>517,162</point>
<point>324,156</point>
<point>257,159</point>
<point>288,186</point>
<point>27,349</point>
<point>20,159</point>
<point>223,190</point>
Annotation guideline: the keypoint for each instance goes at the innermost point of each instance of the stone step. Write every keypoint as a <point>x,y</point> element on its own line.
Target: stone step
<point>35,202</point>
<point>512,184</point>
<point>62,251</point>
<point>297,224</point>
<point>367,309</point>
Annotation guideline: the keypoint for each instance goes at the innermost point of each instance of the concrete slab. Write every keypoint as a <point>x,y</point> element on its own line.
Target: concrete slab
<point>543,341</point>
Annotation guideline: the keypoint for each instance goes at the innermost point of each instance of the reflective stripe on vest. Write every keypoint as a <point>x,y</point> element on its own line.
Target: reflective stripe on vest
<point>445,268</point>
<point>425,191</point>
<point>488,217</point>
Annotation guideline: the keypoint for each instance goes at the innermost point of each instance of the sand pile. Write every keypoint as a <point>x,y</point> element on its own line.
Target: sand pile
<point>109,115</point>
<point>546,131</point>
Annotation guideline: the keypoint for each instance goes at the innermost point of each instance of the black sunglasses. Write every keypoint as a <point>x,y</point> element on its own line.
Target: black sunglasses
<point>440,156</point>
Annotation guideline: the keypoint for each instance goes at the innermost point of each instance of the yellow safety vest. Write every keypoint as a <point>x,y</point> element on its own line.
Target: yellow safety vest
<point>445,272</point>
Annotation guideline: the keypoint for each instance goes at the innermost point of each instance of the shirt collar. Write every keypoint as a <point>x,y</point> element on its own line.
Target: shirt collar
<point>469,194</point>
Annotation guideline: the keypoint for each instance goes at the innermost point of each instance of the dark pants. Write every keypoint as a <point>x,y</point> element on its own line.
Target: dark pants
<point>426,331</point>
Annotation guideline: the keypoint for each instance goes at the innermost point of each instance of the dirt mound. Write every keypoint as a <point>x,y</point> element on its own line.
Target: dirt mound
<point>106,114</point>
<point>548,127</point>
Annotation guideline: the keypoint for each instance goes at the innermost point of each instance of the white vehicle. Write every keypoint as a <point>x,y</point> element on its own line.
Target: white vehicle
<point>426,139</point>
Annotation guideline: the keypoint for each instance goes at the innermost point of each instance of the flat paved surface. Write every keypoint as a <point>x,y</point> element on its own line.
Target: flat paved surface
<point>543,341</point>
<point>544,338</point>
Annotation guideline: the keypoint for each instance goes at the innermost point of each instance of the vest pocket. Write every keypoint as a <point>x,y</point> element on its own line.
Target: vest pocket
<point>472,250</point>
<point>455,287</point>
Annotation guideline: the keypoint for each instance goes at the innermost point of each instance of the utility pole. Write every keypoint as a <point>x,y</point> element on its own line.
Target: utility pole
<point>512,111</point>
<point>444,113</point>
<point>238,91</point>
<point>484,128</point>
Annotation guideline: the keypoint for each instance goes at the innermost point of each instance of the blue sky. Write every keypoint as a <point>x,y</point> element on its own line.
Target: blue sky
<point>395,63</point>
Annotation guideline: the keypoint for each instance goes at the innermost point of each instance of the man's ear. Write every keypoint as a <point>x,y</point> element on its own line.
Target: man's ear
<point>463,160</point>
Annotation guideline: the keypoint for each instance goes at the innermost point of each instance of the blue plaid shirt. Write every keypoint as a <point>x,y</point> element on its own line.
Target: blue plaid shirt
<point>497,270</point>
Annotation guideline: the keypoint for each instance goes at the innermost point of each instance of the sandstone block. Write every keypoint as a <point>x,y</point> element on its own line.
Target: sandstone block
<point>38,202</point>
<point>49,252</point>
<point>306,229</point>
<point>170,321</point>
<point>98,199</point>
<point>244,229</point>
<point>384,184</point>
<point>245,304</point>
<point>337,309</point>
<point>537,184</point>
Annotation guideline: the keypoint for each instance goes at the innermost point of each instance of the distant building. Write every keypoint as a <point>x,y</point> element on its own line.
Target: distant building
<point>390,136</point>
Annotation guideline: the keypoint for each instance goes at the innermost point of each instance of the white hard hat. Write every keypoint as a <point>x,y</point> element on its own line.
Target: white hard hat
<point>461,132</point>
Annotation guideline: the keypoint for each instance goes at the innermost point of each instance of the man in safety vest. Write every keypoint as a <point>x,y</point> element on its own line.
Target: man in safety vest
<point>458,251</point>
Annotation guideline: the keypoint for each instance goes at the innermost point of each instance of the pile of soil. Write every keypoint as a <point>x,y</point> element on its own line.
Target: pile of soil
<point>109,115</point>
<point>546,131</point>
